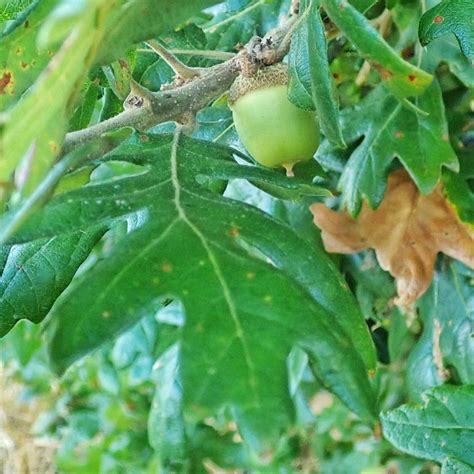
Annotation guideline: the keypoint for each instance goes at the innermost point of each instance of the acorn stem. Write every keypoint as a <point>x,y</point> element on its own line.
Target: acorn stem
<point>289,169</point>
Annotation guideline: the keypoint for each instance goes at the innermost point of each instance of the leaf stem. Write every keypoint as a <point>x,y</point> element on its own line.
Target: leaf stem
<point>414,108</point>
<point>229,127</point>
<point>222,55</point>
<point>39,195</point>
<point>253,6</point>
<point>11,222</point>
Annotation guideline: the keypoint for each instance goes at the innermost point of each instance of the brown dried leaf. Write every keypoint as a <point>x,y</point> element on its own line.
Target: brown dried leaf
<point>406,231</point>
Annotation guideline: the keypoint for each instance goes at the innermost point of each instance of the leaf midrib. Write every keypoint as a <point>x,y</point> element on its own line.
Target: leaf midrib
<point>214,264</point>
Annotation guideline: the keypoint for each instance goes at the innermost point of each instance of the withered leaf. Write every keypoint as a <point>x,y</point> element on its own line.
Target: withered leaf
<point>407,231</point>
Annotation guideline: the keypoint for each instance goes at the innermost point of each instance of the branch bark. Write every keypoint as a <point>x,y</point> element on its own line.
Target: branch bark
<point>173,104</point>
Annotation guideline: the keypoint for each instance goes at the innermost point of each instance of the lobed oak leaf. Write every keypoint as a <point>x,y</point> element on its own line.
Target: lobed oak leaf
<point>406,231</point>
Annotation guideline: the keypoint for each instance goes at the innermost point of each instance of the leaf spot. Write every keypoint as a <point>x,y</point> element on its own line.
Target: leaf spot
<point>202,263</point>
<point>167,267</point>
<point>234,232</point>
<point>155,281</point>
<point>438,19</point>
<point>4,81</point>
<point>445,138</point>
<point>399,135</point>
<point>411,77</point>
<point>267,298</point>
<point>123,64</point>
<point>53,146</point>
<point>384,73</point>
<point>106,314</point>
<point>250,275</point>
<point>144,138</point>
<point>24,65</point>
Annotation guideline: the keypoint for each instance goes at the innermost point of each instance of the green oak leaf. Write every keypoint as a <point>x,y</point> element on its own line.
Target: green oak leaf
<point>363,5</point>
<point>322,85</point>
<point>458,191</point>
<point>243,314</point>
<point>140,20</point>
<point>35,273</point>
<point>9,9</point>
<point>443,426</point>
<point>4,252</point>
<point>375,288</point>
<point>311,85</point>
<point>83,113</point>
<point>166,429</point>
<point>207,443</point>
<point>402,78</point>
<point>47,105</point>
<point>21,61</point>
<point>450,16</point>
<point>445,50</point>
<point>242,21</point>
<point>299,87</point>
<point>390,130</point>
<point>406,18</point>
<point>133,21</point>
<point>454,466</point>
<point>446,346</point>
<point>126,23</point>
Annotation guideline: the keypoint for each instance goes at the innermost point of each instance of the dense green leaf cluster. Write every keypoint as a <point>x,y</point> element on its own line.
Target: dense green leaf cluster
<point>176,294</point>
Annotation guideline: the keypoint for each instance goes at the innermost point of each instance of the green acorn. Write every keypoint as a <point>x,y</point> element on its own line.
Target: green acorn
<point>273,130</point>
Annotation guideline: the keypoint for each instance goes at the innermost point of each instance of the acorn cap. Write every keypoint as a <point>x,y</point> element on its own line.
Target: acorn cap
<point>275,75</point>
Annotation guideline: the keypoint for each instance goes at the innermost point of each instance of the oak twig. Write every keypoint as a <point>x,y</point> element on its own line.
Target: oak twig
<point>151,108</point>
<point>181,70</point>
<point>12,223</point>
